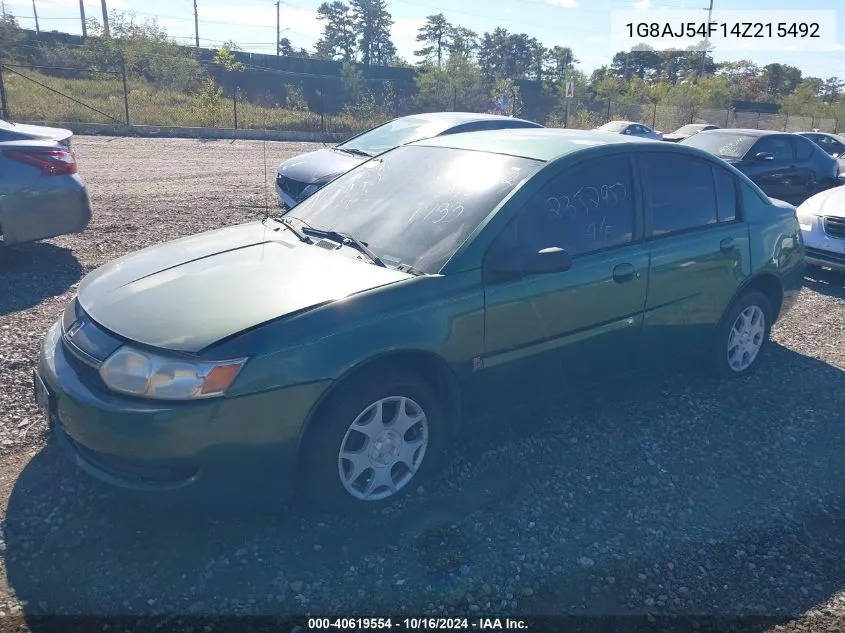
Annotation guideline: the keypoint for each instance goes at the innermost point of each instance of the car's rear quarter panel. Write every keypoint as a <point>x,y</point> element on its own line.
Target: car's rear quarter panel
<point>777,246</point>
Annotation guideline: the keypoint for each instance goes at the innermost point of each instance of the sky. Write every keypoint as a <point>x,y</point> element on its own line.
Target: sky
<point>583,25</point>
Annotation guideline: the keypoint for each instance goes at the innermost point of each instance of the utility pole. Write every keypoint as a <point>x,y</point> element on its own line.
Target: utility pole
<point>35,13</point>
<point>196,25</point>
<point>4,9</point>
<point>106,31</point>
<point>706,39</point>
<point>82,17</point>
<point>278,30</point>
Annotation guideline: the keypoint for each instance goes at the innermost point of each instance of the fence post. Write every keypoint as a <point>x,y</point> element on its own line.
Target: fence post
<point>125,87</point>
<point>813,122</point>
<point>654,116</point>
<point>235,103</point>
<point>757,125</point>
<point>786,121</point>
<point>727,116</point>
<point>322,104</point>
<point>4,106</point>
<point>454,97</point>
<point>609,105</point>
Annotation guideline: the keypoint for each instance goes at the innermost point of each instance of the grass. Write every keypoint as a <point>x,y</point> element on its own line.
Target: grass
<point>153,105</point>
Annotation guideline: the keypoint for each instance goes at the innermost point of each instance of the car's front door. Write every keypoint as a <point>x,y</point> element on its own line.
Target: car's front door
<point>700,252</point>
<point>553,331</point>
<point>774,176</point>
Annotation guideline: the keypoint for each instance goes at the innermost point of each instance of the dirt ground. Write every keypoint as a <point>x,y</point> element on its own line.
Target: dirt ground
<point>672,496</point>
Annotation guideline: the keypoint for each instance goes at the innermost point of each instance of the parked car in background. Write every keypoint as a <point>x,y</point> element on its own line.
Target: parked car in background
<point>341,344</point>
<point>833,144</point>
<point>785,166</point>
<point>299,177</point>
<point>822,220</point>
<point>688,130</point>
<point>41,193</point>
<point>630,128</point>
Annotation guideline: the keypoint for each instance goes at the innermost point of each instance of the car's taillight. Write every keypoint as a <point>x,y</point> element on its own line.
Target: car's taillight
<point>53,162</point>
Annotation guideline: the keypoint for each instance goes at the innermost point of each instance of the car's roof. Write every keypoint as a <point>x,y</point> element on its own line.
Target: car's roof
<point>462,117</point>
<point>742,131</point>
<point>536,143</point>
<point>820,134</point>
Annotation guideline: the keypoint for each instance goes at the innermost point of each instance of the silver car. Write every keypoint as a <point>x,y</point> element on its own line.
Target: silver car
<point>631,128</point>
<point>299,177</point>
<point>41,193</point>
<point>822,220</point>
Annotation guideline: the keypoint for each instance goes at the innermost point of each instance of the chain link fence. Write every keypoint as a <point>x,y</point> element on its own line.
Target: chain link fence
<point>206,94</point>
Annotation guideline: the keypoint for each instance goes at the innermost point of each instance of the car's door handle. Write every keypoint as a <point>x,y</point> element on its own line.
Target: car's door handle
<point>727,245</point>
<point>623,273</point>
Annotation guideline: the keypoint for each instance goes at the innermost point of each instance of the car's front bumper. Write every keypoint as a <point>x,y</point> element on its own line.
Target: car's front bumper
<point>151,445</point>
<point>823,249</point>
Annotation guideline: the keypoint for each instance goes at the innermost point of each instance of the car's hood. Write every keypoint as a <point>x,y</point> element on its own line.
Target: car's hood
<point>830,202</point>
<point>21,131</point>
<point>319,166</point>
<point>188,294</point>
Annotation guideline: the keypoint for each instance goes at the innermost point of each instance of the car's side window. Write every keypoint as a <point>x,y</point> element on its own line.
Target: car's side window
<point>803,148</point>
<point>778,146</point>
<point>726,195</point>
<point>679,192</point>
<point>829,145</point>
<point>586,209</point>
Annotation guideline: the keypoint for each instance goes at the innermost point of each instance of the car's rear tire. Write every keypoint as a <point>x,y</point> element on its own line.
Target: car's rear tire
<point>378,437</point>
<point>742,335</point>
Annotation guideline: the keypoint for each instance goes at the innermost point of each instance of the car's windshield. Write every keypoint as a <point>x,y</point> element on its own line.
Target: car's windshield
<point>614,126</point>
<point>690,129</point>
<point>418,221</point>
<point>395,133</point>
<point>722,144</point>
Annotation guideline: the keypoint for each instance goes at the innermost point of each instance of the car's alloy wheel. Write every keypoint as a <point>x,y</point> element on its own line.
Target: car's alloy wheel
<point>742,335</point>
<point>746,338</point>
<point>383,448</point>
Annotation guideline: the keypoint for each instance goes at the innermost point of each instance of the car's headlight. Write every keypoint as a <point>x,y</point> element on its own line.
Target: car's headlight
<point>805,217</point>
<point>148,375</point>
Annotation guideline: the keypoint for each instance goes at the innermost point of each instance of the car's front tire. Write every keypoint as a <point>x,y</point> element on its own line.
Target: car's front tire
<point>742,335</point>
<point>379,436</point>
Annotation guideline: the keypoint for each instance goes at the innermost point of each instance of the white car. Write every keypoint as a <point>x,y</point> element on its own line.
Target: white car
<point>822,220</point>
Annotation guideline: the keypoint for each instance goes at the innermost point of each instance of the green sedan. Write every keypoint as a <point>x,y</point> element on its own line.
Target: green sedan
<point>340,346</point>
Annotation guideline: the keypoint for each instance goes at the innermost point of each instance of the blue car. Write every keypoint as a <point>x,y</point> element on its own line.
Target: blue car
<point>299,177</point>
<point>785,166</point>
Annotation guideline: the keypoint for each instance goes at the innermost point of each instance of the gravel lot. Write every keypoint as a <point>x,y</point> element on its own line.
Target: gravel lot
<point>673,495</point>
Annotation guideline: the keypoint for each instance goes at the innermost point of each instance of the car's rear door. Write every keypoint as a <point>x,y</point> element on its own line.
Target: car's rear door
<point>804,173</point>
<point>554,331</point>
<point>699,248</point>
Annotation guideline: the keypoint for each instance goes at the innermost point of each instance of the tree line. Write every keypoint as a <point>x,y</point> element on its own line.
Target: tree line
<point>460,65</point>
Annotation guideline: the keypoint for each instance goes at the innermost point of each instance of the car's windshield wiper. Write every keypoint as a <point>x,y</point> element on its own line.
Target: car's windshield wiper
<point>290,226</point>
<point>344,238</point>
<point>353,151</point>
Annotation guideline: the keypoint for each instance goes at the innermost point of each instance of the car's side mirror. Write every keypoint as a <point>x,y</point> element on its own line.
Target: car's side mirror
<point>763,156</point>
<point>521,262</point>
